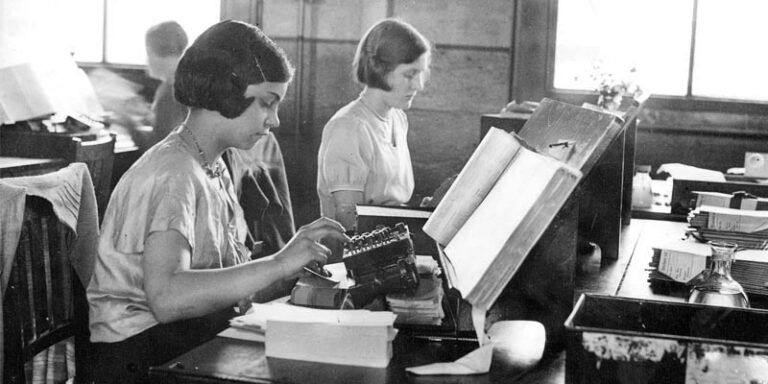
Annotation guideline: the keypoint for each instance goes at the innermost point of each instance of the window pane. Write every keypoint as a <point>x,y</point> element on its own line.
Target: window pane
<point>128,21</point>
<point>730,60</point>
<point>34,29</point>
<point>652,36</point>
<point>85,38</point>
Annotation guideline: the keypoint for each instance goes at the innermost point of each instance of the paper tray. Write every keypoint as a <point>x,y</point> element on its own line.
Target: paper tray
<point>623,340</point>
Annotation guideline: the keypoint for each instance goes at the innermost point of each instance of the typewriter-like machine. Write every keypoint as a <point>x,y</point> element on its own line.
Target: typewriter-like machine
<point>380,261</point>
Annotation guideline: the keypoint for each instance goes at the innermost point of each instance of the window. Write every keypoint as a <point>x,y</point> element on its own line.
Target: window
<point>690,48</point>
<point>112,31</point>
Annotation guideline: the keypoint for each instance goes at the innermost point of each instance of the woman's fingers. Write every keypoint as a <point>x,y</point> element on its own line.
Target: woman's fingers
<point>319,252</point>
<point>323,228</point>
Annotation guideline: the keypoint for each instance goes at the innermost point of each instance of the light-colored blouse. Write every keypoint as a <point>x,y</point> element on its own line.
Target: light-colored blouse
<point>361,151</point>
<point>166,189</point>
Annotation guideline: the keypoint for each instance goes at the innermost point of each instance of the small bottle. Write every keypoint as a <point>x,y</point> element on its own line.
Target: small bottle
<point>714,285</point>
<point>642,196</point>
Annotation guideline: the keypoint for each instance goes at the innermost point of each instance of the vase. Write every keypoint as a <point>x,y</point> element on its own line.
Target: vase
<point>714,285</point>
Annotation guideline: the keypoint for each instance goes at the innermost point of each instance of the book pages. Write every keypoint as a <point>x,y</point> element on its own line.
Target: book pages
<point>22,96</point>
<point>473,183</point>
<point>478,243</point>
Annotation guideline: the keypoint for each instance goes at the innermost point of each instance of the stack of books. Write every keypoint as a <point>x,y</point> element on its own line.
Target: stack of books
<point>747,228</point>
<point>674,264</point>
<point>347,337</point>
<point>422,307</point>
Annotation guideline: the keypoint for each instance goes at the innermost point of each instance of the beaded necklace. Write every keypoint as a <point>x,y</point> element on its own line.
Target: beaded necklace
<point>213,170</point>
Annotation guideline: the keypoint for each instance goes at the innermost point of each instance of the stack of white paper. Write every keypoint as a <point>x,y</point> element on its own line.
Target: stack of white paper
<point>348,337</point>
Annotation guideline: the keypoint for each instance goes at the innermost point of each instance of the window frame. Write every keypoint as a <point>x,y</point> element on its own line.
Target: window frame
<point>682,103</point>
<point>228,9</point>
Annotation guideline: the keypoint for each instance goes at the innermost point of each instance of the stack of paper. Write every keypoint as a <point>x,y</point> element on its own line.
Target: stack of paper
<point>747,228</point>
<point>728,200</point>
<point>679,261</point>
<point>349,337</point>
<point>421,307</point>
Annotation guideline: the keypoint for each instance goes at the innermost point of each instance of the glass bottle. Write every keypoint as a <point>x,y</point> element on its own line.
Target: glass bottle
<point>642,195</point>
<point>714,285</point>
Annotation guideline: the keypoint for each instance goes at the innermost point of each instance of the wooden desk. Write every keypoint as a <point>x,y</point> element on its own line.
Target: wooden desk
<point>224,360</point>
<point>22,166</point>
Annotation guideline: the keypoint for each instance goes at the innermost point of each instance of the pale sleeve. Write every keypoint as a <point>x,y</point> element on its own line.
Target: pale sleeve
<point>347,154</point>
<point>174,208</point>
<point>153,204</point>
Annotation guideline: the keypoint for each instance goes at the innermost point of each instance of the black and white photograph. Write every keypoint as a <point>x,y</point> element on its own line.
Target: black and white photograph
<point>383,191</point>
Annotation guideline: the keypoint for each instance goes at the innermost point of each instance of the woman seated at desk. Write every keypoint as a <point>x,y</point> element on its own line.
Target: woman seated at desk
<point>364,156</point>
<point>171,262</point>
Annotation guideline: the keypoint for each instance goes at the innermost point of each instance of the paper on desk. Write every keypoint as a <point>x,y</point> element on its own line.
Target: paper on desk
<point>474,363</point>
<point>683,260</point>
<point>687,172</point>
<point>257,316</point>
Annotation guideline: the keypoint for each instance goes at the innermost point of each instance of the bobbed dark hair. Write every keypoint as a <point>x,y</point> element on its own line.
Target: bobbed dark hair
<point>384,46</point>
<point>216,69</point>
<point>166,39</point>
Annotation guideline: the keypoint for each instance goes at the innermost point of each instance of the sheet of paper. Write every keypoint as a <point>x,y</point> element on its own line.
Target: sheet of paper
<point>681,266</point>
<point>258,315</point>
<point>687,172</point>
<point>478,321</point>
<point>474,363</point>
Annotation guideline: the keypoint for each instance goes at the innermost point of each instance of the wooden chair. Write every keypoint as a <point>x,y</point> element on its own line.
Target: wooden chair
<point>98,154</point>
<point>45,301</point>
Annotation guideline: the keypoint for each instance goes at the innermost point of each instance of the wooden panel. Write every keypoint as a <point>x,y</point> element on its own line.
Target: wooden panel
<point>460,22</point>
<point>441,142</point>
<point>342,19</point>
<point>475,81</point>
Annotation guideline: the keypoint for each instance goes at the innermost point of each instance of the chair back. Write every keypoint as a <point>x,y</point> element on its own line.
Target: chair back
<point>98,154</point>
<point>45,301</point>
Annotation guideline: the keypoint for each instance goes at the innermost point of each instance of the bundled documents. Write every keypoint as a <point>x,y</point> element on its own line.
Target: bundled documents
<point>747,228</point>
<point>676,263</point>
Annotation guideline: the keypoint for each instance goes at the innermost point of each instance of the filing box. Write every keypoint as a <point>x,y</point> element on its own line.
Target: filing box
<point>624,340</point>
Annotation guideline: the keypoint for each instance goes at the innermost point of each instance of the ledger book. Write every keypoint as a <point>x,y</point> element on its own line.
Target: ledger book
<point>496,210</point>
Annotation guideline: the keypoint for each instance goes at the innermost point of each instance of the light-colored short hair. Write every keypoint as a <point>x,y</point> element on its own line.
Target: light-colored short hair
<point>384,46</point>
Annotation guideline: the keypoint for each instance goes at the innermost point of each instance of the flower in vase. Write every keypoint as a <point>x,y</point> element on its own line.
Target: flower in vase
<point>611,88</point>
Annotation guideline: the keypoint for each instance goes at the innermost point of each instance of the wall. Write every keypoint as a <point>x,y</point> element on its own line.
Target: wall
<point>469,77</point>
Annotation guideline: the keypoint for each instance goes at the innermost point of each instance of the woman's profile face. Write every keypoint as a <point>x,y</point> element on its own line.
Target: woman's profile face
<point>261,116</point>
<point>406,80</point>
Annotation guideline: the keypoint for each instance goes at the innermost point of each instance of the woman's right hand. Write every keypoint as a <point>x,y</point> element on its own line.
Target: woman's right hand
<point>305,247</point>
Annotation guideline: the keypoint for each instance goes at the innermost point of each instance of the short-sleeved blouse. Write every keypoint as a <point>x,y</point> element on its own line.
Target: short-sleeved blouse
<point>166,189</point>
<point>360,151</point>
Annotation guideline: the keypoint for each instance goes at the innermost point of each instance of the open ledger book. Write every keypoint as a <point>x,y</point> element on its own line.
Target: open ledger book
<point>501,203</point>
